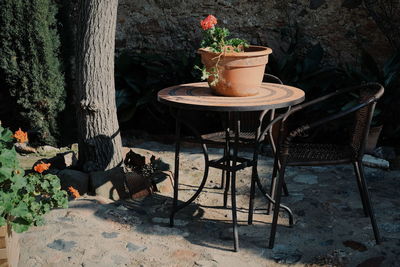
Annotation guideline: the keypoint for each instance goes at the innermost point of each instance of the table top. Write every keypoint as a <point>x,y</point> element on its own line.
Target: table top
<point>198,96</point>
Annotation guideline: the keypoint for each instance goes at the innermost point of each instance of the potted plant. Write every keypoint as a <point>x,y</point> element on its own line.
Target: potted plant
<point>24,198</point>
<point>232,67</point>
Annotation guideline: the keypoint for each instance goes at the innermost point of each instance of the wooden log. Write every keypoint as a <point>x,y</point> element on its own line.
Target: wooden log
<point>9,247</point>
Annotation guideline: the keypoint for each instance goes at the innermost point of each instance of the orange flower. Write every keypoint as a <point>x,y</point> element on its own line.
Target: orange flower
<point>208,22</point>
<point>41,167</point>
<point>21,136</point>
<point>74,192</point>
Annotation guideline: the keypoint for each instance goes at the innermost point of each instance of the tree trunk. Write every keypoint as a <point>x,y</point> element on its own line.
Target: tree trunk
<point>100,146</point>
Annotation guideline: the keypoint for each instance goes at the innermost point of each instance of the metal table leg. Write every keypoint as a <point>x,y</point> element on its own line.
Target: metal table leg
<point>175,206</point>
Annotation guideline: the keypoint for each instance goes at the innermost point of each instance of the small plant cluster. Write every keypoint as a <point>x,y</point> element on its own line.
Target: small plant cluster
<point>24,199</point>
<point>215,40</point>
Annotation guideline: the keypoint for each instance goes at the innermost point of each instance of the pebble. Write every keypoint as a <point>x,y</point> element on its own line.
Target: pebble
<point>135,248</point>
<point>62,245</point>
<point>110,235</point>
<point>374,162</point>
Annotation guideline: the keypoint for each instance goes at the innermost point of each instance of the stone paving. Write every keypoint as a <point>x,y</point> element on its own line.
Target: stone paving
<point>329,229</point>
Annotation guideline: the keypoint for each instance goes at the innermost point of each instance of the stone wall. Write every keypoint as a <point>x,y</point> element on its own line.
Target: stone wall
<point>342,27</point>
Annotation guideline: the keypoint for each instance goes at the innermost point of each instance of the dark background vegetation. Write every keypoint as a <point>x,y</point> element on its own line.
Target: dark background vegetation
<point>139,75</point>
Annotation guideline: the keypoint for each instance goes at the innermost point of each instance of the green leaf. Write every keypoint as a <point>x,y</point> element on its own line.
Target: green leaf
<point>2,221</point>
<point>20,210</point>
<point>313,59</point>
<point>371,66</point>
<point>19,227</point>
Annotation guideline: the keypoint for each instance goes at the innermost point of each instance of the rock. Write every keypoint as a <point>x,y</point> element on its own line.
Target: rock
<point>372,262</point>
<point>306,179</point>
<point>109,184</point>
<point>74,147</point>
<point>374,162</point>
<point>47,149</point>
<point>64,160</point>
<point>24,148</point>
<point>134,248</point>
<point>355,245</point>
<point>76,179</point>
<point>110,235</point>
<point>62,245</point>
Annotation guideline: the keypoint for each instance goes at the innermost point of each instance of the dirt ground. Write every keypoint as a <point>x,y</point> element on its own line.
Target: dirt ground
<point>329,229</point>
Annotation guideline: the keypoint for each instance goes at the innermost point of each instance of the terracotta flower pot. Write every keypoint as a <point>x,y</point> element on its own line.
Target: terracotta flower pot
<point>239,74</point>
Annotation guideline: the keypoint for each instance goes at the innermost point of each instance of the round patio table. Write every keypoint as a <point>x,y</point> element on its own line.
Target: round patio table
<point>198,96</point>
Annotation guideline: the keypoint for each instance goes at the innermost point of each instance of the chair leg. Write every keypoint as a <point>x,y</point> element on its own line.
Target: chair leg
<point>360,190</point>
<point>222,184</point>
<point>274,149</point>
<point>279,188</point>
<point>273,186</point>
<point>368,203</point>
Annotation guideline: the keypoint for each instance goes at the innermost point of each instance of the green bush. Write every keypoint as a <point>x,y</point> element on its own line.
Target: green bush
<point>29,64</point>
<point>24,198</point>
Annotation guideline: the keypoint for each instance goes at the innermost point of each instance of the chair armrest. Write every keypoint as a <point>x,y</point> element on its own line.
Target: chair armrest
<point>300,107</point>
<point>300,130</point>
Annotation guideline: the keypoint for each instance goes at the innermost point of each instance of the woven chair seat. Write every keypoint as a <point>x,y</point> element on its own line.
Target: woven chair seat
<point>309,153</point>
<point>219,137</point>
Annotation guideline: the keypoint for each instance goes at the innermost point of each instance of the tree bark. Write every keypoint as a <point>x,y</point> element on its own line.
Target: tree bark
<point>100,146</point>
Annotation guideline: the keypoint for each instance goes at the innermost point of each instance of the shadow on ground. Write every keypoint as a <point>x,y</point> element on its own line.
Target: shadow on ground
<point>330,228</point>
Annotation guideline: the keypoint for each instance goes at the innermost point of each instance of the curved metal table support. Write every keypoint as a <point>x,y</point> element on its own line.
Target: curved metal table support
<point>199,97</point>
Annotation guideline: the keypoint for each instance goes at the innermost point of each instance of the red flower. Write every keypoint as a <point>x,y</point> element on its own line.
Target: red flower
<point>21,136</point>
<point>74,192</point>
<point>41,167</point>
<point>208,22</point>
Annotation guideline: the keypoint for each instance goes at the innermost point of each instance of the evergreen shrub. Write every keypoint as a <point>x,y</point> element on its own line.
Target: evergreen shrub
<point>30,69</point>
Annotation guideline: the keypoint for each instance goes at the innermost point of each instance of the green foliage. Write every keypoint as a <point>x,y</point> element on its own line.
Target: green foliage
<point>215,40</point>
<point>24,198</point>
<point>388,75</point>
<point>138,78</point>
<point>309,73</point>
<point>29,66</point>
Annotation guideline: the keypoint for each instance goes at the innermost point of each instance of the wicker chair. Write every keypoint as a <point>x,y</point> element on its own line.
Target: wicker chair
<point>249,123</point>
<point>292,153</point>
